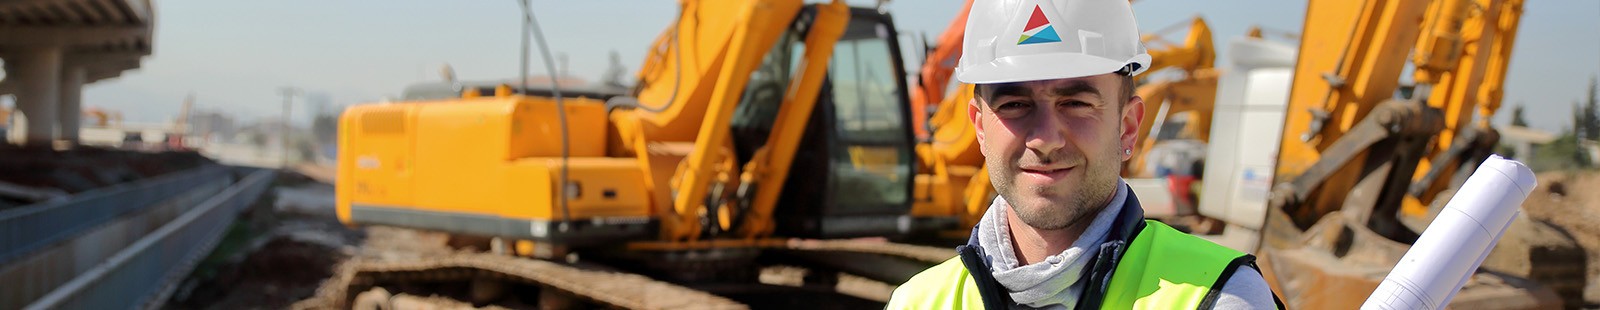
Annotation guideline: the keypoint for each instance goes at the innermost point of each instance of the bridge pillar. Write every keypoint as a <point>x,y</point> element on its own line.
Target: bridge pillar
<point>38,79</point>
<point>72,79</point>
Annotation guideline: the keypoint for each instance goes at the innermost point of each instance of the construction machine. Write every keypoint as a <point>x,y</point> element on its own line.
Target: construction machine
<point>1191,93</point>
<point>950,182</point>
<point>1327,167</point>
<point>1355,140</point>
<point>730,101</point>
<point>751,124</point>
<point>102,117</point>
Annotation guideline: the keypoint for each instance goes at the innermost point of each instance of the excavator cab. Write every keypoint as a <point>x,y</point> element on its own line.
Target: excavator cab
<point>853,171</point>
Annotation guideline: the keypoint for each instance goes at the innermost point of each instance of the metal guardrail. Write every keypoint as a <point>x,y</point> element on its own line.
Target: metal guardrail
<point>145,273</point>
<point>38,272</point>
<point>31,227</point>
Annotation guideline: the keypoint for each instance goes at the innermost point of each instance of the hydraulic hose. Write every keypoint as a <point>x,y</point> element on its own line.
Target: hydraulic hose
<point>561,108</point>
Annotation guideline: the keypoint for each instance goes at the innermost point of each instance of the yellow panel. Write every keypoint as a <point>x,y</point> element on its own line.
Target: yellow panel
<point>375,166</point>
<point>459,145</point>
<point>535,130</point>
<point>494,156</point>
<point>606,187</point>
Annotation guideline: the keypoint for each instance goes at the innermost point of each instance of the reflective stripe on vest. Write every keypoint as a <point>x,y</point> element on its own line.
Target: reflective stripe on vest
<point>1162,269</point>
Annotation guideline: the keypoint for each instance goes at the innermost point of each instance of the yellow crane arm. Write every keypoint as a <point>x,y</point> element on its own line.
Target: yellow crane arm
<point>1351,55</point>
<point>1460,64</point>
<point>1195,53</point>
<point>748,45</point>
<point>770,167</point>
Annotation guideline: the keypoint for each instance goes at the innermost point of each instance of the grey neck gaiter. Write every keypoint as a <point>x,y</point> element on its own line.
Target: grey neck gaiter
<point>1052,283</point>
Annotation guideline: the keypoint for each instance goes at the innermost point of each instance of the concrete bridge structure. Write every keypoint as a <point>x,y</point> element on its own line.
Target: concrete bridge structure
<point>51,48</point>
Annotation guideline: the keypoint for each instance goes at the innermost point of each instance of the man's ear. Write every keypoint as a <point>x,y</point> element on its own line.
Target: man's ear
<point>973,111</point>
<point>1132,116</point>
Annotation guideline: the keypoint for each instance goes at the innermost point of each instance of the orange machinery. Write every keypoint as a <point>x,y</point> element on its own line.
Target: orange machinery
<point>1362,158</point>
<point>736,106</point>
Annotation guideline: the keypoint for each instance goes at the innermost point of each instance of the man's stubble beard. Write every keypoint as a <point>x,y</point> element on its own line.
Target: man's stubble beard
<point>1088,199</point>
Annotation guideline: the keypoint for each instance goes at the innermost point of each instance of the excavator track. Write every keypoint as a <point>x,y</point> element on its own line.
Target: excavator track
<point>885,262</point>
<point>558,284</point>
<point>922,253</point>
<point>832,273</point>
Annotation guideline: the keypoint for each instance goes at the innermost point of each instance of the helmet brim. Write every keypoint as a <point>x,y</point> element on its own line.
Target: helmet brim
<point>1044,67</point>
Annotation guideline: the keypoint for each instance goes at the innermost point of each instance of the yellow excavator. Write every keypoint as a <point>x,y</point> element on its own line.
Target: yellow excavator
<point>1360,163</point>
<point>1192,93</point>
<point>736,106</point>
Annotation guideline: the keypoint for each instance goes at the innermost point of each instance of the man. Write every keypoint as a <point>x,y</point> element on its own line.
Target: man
<point>1056,116</point>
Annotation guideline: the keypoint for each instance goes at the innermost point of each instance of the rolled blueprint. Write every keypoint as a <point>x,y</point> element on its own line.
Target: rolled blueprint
<point>1458,240</point>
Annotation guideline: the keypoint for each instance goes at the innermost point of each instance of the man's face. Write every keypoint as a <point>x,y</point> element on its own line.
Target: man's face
<point>1054,148</point>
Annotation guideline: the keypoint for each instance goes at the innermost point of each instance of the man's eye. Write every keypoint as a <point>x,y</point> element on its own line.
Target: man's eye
<point>1014,105</point>
<point>1075,103</point>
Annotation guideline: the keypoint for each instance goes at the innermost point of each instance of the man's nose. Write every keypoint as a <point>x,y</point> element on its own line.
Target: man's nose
<point>1048,133</point>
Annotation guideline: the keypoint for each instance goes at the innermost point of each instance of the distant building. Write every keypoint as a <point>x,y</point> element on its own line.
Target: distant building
<point>266,131</point>
<point>1593,148</point>
<point>1523,139</point>
<point>212,126</point>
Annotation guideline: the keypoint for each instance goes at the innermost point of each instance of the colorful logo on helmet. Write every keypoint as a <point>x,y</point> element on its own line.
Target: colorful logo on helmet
<point>1038,30</point>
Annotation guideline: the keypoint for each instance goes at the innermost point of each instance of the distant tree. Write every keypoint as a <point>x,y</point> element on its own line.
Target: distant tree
<point>306,150</point>
<point>1566,151</point>
<point>1563,153</point>
<point>1578,121</point>
<point>1591,114</point>
<point>1505,150</point>
<point>325,127</point>
<point>1517,118</point>
<point>615,73</point>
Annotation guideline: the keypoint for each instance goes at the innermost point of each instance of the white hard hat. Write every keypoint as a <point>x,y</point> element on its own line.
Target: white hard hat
<point>1028,40</point>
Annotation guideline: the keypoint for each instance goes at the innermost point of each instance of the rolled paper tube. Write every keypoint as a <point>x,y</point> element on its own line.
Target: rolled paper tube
<point>1458,240</point>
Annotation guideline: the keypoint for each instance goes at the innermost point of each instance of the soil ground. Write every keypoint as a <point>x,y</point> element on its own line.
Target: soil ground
<point>276,253</point>
<point>1570,200</point>
<point>282,251</point>
<point>288,245</point>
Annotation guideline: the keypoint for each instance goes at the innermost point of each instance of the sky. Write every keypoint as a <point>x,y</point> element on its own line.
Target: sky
<point>236,56</point>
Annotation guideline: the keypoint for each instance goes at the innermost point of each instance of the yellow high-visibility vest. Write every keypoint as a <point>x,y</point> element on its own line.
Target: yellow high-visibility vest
<point>1161,268</point>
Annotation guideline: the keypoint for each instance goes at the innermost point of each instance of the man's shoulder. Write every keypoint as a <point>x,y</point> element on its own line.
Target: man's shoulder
<point>1172,238</point>
<point>1246,289</point>
<point>942,286</point>
<point>1161,254</point>
<point>951,272</point>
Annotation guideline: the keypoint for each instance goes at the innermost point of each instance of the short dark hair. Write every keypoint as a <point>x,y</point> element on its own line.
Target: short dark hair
<point>1127,92</point>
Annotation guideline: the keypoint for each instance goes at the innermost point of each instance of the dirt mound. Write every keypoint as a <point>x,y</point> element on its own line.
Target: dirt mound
<point>1570,201</point>
<point>280,273</point>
